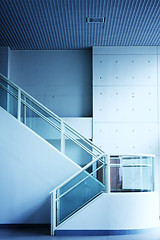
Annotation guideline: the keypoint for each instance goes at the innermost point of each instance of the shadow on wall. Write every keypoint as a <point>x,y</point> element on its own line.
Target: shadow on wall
<point>39,215</point>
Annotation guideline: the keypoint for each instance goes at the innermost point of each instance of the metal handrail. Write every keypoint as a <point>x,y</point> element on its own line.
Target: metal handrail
<point>50,122</point>
<point>51,114</point>
<point>131,155</point>
<point>80,171</point>
<point>88,175</point>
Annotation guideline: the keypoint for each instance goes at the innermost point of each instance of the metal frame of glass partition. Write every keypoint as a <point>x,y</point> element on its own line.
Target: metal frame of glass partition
<point>132,173</point>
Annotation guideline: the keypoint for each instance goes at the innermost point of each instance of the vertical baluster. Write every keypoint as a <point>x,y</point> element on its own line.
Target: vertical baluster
<point>62,137</point>
<point>106,174</point>
<point>19,105</point>
<point>154,186</point>
<point>53,213</point>
<point>58,206</point>
<point>24,111</point>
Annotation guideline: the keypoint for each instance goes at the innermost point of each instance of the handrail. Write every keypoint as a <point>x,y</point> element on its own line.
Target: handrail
<point>88,175</point>
<point>33,109</point>
<point>49,112</point>
<point>130,165</point>
<point>77,173</point>
<point>131,155</point>
<point>50,122</point>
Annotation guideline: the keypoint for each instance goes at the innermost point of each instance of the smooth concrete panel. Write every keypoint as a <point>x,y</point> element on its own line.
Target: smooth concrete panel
<point>158,68</point>
<point>127,138</point>
<point>61,80</point>
<point>125,104</point>
<point>132,50</point>
<point>117,211</point>
<point>125,70</point>
<point>4,50</point>
<point>158,50</point>
<point>29,169</point>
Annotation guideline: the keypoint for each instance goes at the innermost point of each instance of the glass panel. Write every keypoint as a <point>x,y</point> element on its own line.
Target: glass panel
<point>82,189</point>
<point>131,174</point>
<point>12,105</point>
<point>81,141</point>
<point>3,98</point>
<point>8,97</point>
<point>43,128</point>
<point>76,153</point>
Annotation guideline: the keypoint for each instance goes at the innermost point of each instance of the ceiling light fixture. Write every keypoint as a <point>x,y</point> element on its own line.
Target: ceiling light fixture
<point>95,19</point>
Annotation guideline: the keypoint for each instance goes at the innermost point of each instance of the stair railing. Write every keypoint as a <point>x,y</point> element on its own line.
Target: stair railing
<point>27,105</point>
<point>96,174</point>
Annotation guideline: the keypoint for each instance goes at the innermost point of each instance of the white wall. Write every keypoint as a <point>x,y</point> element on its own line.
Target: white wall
<point>61,80</point>
<point>29,169</point>
<point>116,211</point>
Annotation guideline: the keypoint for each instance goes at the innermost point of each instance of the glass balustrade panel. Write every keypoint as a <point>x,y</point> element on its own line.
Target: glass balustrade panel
<point>42,127</point>
<point>70,134</point>
<point>77,153</point>
<point>77,193</point>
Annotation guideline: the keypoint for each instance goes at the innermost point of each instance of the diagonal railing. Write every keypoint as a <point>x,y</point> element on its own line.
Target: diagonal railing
<point>43,121</point>
<point>60,134</point>
<point>80,189</point>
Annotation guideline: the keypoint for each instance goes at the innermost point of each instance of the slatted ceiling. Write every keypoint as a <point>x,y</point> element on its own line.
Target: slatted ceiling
<point>61,24</point>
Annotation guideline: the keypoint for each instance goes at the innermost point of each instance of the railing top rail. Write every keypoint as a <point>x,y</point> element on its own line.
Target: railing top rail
<point>132,155</point>
<point>77,173</point>
<point>52,114</point>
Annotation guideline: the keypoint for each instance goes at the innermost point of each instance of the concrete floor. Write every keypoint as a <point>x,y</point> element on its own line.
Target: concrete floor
<point>44,234</point>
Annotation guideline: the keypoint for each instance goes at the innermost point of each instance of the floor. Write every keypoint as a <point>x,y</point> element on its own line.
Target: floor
<point>43,234</point>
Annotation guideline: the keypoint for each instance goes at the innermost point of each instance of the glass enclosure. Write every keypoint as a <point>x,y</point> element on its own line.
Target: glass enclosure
<point>131,173</point>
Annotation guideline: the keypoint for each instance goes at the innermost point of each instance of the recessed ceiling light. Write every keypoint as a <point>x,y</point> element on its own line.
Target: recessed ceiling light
<point>95,19</point>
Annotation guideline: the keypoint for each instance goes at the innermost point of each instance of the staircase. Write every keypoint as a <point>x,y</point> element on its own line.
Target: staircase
<point>91,180</point>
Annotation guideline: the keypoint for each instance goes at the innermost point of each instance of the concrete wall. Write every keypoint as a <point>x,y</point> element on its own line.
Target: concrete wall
<point>126,99</point>
<point>61,80</point>
<point>29,169</point>
<point>4,63</point>
<point>4,60</point>
<point>117,211</point>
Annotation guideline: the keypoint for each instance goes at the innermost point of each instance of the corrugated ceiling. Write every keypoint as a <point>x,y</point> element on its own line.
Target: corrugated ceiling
<point>61,24</point>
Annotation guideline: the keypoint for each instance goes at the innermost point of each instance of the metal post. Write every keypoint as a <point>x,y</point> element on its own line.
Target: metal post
<point>19,105</point>
<point>24,111</point>
<point>53,213</point>
<point>62,137</point>
<point>58,205</point>
<point>154,174</point>
<point>106,176</point>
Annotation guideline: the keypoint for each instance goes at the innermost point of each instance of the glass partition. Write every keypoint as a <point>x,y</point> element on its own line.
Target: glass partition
<point>131,173</point>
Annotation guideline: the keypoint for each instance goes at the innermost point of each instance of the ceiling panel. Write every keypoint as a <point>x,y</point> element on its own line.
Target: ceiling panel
<point>61,24</point>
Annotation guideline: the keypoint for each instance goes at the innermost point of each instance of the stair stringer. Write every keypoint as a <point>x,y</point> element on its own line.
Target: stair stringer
<point>30,168</point>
